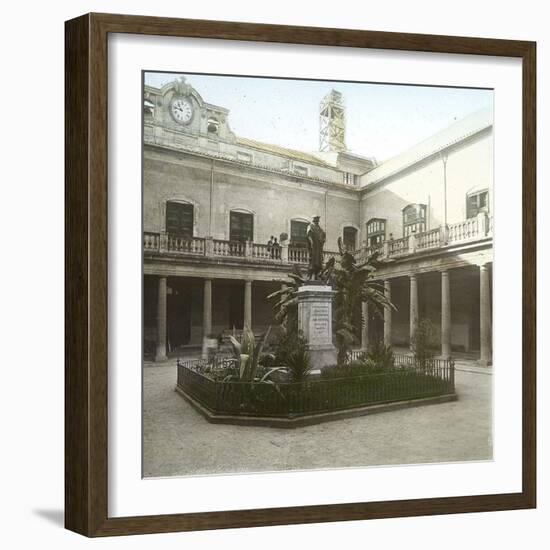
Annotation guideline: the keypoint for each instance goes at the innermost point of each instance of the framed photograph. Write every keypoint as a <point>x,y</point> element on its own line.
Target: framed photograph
<point>300,275</point>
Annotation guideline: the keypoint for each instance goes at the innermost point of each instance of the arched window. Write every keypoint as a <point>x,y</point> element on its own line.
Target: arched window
<point>298,233</point>
<point>376,232</point>
<point>179,218</point>
<point>476,202</point>
<point>241,226</point>
<point>350,238</point>
<point>414,219</point>
<point>213,126</point>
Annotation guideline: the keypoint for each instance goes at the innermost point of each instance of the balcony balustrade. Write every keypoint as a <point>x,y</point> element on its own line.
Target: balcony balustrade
<point>265,252</point>
<point>298,255</point>
<point>428,239</point>
<point>185,245</point>
<point>234,249</point>
<point>463,232</point>
<point>397,247</point>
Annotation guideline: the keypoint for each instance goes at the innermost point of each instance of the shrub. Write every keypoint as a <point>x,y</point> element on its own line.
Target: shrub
<point>381,356</point>
<point>291,352</point>
<point>424,342</point>
<point>362,366</point>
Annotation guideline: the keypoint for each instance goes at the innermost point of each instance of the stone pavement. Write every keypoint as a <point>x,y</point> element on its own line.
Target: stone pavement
<point>179,441</point>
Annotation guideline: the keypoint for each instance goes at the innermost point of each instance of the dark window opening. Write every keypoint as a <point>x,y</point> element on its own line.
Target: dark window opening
<point>350,238</point>
<point>178,314</point>
<point>236,308</point>
<point>179,219</point>
<point>298,233</point>
<point>213,126</point>
<point>241,227</point>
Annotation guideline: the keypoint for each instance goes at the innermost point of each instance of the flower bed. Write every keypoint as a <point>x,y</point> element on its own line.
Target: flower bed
<point>406,382</point>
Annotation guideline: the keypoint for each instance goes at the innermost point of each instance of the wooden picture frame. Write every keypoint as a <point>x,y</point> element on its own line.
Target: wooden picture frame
<point>86,279</point>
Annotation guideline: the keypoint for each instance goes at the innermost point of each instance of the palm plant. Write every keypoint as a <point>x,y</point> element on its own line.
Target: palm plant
<point>291,352</point>
<point>299,365</point>
<point>353,284</point>
<point>285,301</point>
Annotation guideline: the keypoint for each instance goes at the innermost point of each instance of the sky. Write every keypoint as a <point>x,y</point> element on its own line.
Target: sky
<point>382,120</point>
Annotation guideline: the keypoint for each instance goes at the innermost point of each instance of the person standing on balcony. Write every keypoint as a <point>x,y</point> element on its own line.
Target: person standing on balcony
<point>316,238</point>
<point>275,250</point>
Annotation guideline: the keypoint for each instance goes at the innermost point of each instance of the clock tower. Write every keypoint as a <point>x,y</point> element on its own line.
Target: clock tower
<point>181,116</point>
<point>332,123</point>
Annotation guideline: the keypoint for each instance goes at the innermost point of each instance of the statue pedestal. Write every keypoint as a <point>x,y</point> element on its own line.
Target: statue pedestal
<point>315,323</point>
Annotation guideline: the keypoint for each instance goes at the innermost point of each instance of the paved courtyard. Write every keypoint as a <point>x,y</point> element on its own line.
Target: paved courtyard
<point>179,441</point>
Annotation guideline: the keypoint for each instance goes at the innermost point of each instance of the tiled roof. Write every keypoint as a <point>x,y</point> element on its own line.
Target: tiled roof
<point>283,151</point>
<point>460,130</point>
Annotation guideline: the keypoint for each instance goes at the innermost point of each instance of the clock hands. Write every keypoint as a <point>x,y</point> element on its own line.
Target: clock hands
<point>182,110</point>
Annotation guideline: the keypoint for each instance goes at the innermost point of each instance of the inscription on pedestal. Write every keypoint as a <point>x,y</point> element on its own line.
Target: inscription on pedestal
<point>320,322</point>
<point>315,322</point>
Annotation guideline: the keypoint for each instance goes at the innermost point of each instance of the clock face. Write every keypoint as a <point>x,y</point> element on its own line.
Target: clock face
<point>182,110</point>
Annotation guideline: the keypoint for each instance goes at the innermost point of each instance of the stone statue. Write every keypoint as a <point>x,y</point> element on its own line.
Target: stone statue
<point>315,241</point>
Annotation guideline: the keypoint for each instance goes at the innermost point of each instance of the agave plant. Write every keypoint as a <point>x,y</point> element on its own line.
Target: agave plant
<point>248,353</point>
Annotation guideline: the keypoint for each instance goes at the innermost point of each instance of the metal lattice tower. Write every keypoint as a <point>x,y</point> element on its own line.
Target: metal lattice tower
<point>332,123</point>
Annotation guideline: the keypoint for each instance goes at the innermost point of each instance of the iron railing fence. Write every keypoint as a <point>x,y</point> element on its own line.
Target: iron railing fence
<point>316,395</point>
<point>401,359</point>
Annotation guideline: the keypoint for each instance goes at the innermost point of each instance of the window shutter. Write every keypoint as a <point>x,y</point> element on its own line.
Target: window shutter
<point>179,219</point>
<point>241,226</point>
<point>298,233</point>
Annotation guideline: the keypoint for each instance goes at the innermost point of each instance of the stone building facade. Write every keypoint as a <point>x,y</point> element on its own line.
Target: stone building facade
<point>212,200</point>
